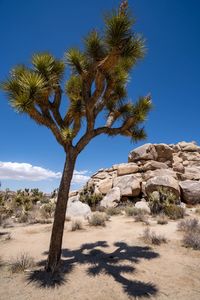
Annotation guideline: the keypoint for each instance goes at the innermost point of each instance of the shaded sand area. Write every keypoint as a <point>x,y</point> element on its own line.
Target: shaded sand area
<point>101,263</point>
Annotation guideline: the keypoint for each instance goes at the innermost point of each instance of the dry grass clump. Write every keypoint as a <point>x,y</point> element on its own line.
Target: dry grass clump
<point>162,219</point>
<point>191,229</point>
<point>21,263</point>
<point>76,225</point>
<point>197,211</point>
<point>98,219</point>
<point>113,211</point>
<point>150,237</point>
<point>141,216</point>
<point>192,240</point>
<point>131,211</point>
<point>189,225</point>
<point>68,219</point>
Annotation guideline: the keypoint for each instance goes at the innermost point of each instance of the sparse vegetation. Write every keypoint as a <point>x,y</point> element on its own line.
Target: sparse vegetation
<point>89,196</point>
<point>112,211</point>
<point>131,211</point>
<point>191,229</point>
<point>162,219</point>
<point>192,240</point>
<point>164,201</point>
<point>150,237</point>
<point>197,211</point>
<point>76,225</point>
<point>98,219</point>
<point>21,263</point>
<point>141,217</point>
<point>174,212</point>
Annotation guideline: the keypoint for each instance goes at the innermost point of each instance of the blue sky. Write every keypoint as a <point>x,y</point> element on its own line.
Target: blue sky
<point>170,71</point>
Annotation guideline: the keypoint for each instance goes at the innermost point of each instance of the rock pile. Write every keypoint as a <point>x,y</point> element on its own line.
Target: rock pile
<point>151,166</point>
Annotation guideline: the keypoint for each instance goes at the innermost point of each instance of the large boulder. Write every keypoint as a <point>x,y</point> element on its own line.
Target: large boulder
<point>129,185</point>
<point>168,182</point>
<point>112,198</point>
<point>143,204</point>
<point>190,147</point>
<point>125,169</point>
<point>153,165</point>
<point>164,152</point>
<point>190,191</point>
<point>76,208</point>
<point>158,173</point>
<point>105,185</point>
<point>145,152</point>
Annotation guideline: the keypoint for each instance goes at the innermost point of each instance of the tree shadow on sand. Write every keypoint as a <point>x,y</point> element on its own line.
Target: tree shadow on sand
<point>115,264</point>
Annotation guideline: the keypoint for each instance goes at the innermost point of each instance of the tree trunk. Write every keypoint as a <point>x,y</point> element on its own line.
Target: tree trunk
<point>59,218</point>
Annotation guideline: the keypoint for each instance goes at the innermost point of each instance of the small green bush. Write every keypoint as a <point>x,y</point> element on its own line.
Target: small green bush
<point>174,212</point>
<point>98,219</point>
<point>112,211</point>
<point>47,210</point>
<point>89,196</point>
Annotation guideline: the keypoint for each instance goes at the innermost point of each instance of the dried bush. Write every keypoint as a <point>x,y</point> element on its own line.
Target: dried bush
<point>162,219</point>
<point>189,225</point>
<point>141,217</point>
<point>150,237</point>
<point>76,225</point>
<point>67,218</point>
<point>197,211</point>
<point>112,211</point>
<point>21,263</point>
<point>192,240</point>
<point>98,219</point>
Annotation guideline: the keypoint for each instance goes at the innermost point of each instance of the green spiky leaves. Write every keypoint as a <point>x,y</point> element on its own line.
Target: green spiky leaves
<point>49,67</point>
<point>24,88</point>
<point>76,60</point>
<point>94,46</point>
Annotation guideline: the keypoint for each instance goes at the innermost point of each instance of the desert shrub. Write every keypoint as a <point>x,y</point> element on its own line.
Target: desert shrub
<point>160,199</point>
<point>112,211</point>
<point>76,225</point>
<point>88,195</point>
<point>174,212</point>
<point>150,237</point>
<point>192,240</point>
<point>197,211</point>
<point>47,210</point>
<point>98,219</point>
<point>130,211</point>
<point>162,219</point>
<point>67,218</point>
<point>7,223</point>
<point>189,225</point>
<point>21,263</point>
<point>141,217</point>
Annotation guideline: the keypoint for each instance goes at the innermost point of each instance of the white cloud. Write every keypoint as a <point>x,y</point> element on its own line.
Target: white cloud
<point>25,171</point>
<point>80,177</point>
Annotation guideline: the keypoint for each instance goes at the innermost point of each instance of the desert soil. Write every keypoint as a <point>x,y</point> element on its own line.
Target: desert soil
<point>106,263</point>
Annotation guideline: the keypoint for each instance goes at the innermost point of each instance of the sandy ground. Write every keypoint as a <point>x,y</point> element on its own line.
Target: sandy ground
<point>107,263</point>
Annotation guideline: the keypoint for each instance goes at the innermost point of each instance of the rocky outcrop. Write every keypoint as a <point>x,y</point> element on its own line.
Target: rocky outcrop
<point>190,190</point>
<point>168,182</point>
<point>149,167</point>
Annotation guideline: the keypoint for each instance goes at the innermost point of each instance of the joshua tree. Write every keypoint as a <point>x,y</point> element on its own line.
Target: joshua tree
<point>96,85</point>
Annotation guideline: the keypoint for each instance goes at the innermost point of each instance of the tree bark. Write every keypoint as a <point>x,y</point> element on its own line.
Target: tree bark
<point>59,218</point>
